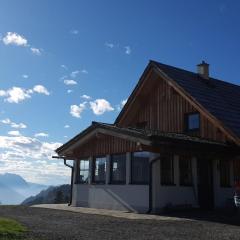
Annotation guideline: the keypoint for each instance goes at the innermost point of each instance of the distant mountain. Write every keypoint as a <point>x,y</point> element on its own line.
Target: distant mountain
<point>14,189</point>
<point>9,196</point>
<point>13,180</point>
<point>59,194</point>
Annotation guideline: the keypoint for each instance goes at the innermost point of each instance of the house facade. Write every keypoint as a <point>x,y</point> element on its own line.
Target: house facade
<point>175,144</point>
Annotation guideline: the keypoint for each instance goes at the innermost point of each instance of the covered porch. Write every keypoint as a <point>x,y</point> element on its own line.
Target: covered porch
<point>146,171</point>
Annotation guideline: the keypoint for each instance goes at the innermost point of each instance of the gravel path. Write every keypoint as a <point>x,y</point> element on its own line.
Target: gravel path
<point>56,224</point>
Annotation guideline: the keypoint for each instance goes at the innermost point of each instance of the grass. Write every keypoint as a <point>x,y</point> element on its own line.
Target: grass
<point>11,229</point>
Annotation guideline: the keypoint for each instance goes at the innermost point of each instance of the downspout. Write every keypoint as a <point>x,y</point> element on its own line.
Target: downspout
<point>71,190</point>
<point>150,184</point>
<point>72,169</point>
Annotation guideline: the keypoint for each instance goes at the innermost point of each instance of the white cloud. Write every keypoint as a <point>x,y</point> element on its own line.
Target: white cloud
<point>109,45</point>
<point>70,82</point>
<point>128,50</point>
<point>74,31</point>
<point>122,103</point>
<point>84,96</point>
<point>12,38</point>
<point>25,76</point>
<point>17,94</point>
<point>84,71</point>
<point>100,106</point>
<point>36,51</point>
<point>32,159</point>
<point>3,93</point>
<point>41,89</point>
<point>41,134</point>
<point>14,133</point>
<point>28,147</point>
<point>66,126</point>
<point>76,110</point>
<point>69,91</point>
<point>63,77</point>
<point>7,121</point>
<point>74,73</point>
<point>64,66</point>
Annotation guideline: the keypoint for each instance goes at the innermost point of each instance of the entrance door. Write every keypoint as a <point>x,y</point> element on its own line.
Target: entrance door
<point>205,183</point>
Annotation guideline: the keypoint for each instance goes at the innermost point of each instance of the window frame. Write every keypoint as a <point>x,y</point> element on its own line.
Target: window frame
<point>94,181</point>
<point>77,180</point>
<point>163,183</point>
<point>135,182</point>
<point>186,122</point>
<point>189,158</point>
<point>111,170</point>
<point>221,181</point>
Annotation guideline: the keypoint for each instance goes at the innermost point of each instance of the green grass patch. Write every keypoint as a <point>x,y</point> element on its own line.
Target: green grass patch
<point>11,229</point>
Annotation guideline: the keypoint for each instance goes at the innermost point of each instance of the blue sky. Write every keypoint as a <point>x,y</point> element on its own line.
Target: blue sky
<point>53,54</point>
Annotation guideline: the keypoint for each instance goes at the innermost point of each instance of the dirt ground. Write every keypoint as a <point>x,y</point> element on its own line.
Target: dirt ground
<point>56,224</point>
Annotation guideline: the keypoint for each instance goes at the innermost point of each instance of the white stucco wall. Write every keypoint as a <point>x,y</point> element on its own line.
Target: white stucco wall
<point>118,197</point>
<point>175,195</point>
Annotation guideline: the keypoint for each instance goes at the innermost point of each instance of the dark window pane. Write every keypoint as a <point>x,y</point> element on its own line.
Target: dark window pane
<point>118,168</point>
<point>185,170</point>
<point>193,121</point>
<point>224,173</point>
<point>83,171</point>
<point>167,170</point>
<point>140,167</point>
<point>99,173</point>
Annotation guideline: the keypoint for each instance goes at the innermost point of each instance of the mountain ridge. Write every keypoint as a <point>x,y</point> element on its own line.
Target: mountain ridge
<point>14,188</point>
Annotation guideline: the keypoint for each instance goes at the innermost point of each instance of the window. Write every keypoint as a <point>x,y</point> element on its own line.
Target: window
<point>192,122</point>
<point>83,171</point>
<point>99,170</point>
<point>185,170</point>
<point>167,177</point>
<point>118,168</point>
<point>224,166</point>
<point>140,168</point>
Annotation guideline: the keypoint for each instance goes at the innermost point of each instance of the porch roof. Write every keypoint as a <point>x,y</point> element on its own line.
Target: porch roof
<point>143,136</point>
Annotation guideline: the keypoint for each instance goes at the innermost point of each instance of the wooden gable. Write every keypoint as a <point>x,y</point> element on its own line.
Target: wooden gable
<point>103,144</point>
<point>159,106</point>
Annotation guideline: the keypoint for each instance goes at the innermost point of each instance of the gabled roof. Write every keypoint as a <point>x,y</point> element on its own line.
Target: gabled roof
<point>220,99</point>
<point>144,136</point>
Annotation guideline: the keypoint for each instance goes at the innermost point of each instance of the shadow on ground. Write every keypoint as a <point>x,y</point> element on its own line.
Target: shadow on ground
<point>225,216</point>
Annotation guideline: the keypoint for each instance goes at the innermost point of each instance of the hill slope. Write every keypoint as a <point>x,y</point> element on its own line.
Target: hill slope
<point>59,194</point>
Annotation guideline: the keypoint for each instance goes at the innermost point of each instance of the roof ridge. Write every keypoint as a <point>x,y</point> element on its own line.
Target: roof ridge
<point>194,73</point>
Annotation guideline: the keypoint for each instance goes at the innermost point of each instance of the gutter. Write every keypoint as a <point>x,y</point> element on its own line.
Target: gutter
<point>67,165</point>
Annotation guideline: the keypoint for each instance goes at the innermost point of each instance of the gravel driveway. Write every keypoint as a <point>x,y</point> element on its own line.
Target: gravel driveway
<point>56,224</point>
